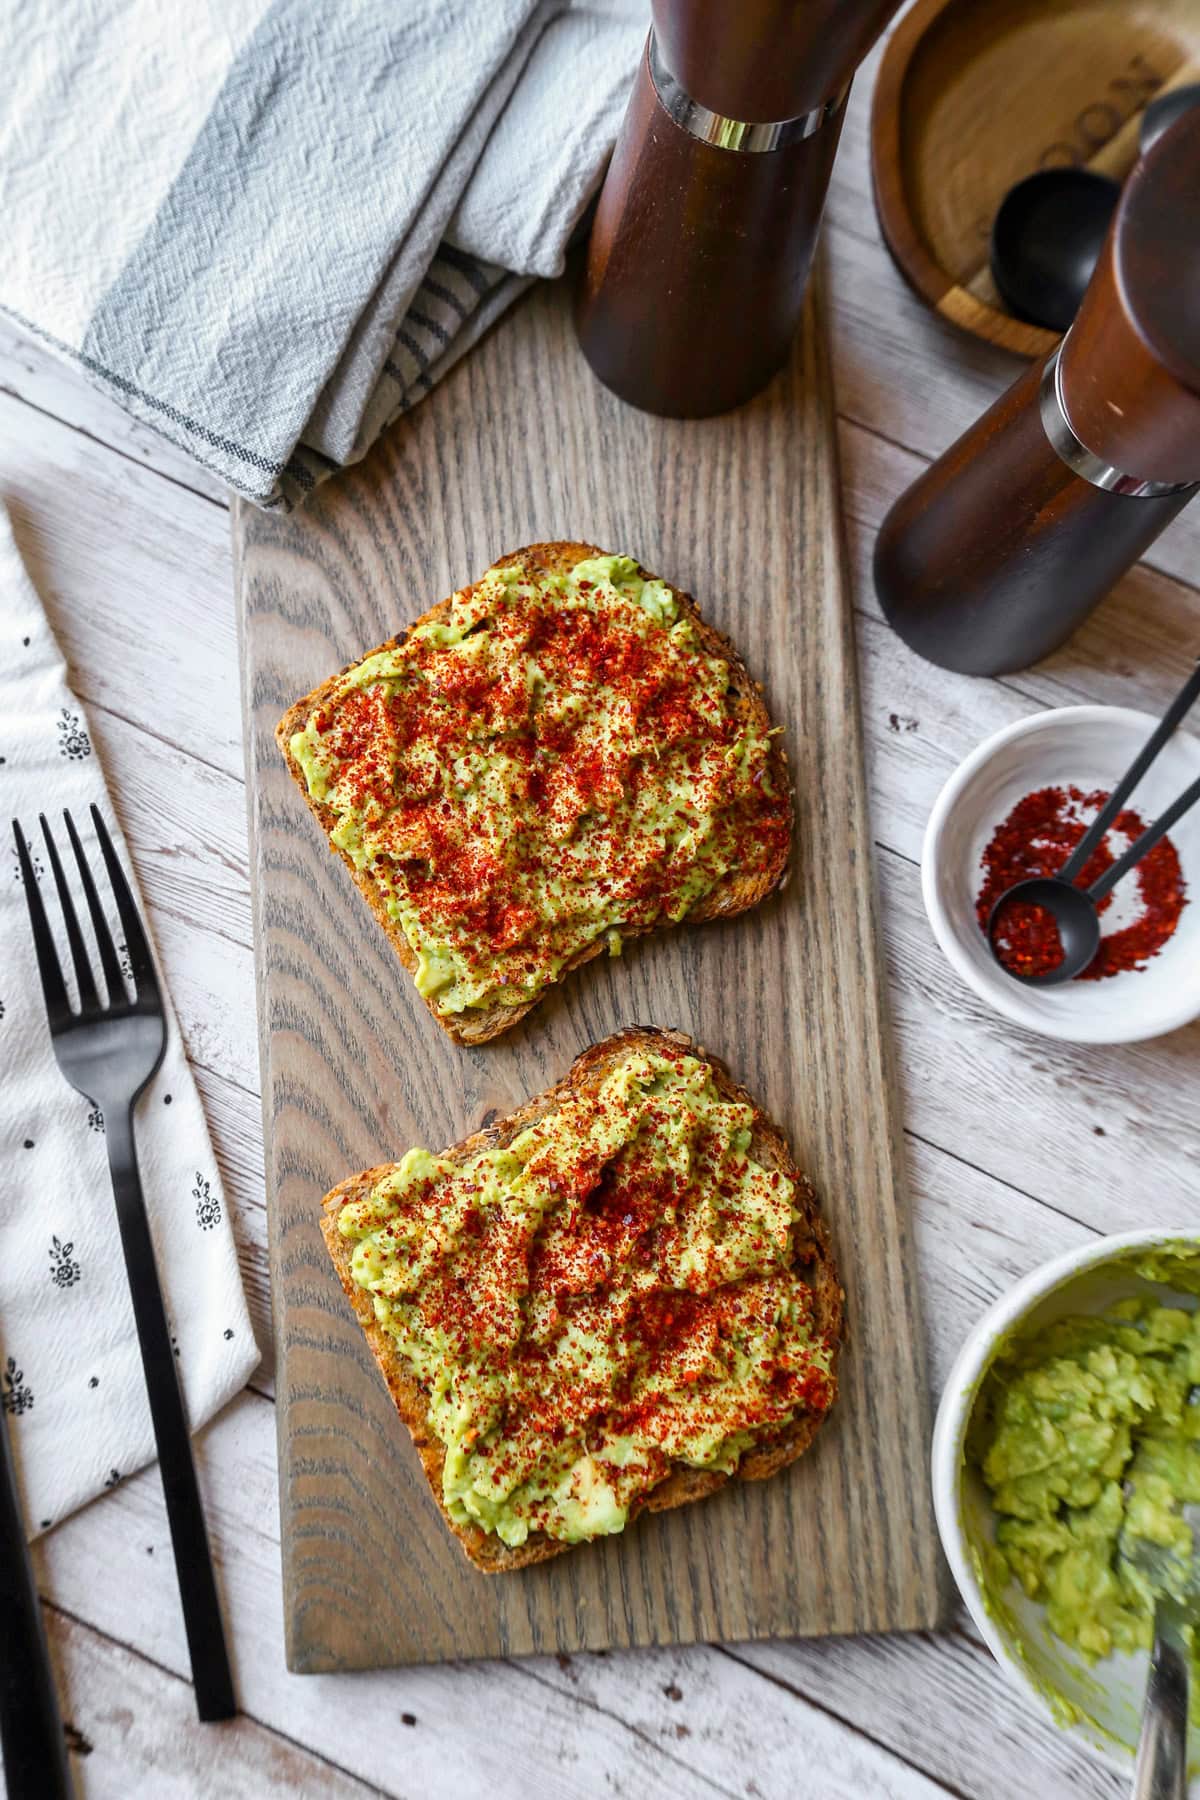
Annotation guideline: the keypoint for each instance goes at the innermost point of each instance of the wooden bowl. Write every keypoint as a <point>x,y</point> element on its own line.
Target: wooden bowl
<point>973,95</point>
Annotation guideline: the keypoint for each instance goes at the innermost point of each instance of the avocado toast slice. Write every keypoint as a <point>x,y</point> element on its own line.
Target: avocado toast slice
<point>612,1301</point>
<point>560,757</point>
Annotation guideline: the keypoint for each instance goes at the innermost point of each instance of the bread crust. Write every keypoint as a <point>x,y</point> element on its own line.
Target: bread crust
<point>684,1484</point>
<point>736,891</point>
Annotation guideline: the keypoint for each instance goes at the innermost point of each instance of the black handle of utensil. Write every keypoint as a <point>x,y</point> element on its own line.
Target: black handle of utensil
<point>211,1675</point>
<point>31,1733</point>
<point>1147,841</point>
<point>1161,1770</point>
<point>1180,705</point>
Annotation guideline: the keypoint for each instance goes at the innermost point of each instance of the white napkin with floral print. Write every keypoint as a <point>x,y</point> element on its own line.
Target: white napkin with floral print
<point>70,1372</point>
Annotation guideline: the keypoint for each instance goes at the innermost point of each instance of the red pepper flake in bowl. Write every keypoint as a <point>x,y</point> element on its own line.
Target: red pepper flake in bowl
<point>1027,938</point>
<point>1036,838</point>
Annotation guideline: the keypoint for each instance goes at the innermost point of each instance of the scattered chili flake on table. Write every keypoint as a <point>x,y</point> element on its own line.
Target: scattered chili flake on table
<point>1036,838</point>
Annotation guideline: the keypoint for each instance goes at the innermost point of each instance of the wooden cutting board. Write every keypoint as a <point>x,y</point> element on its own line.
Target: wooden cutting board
<point>520,444</point>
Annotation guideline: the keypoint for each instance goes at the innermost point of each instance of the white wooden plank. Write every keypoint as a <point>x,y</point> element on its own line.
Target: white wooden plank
<point>135,574</point>
<point>945,1702</point>
<point>212,984</point>
<point>133,1734</point>
<point>235,1124</point>
<point>493,1728</point>
<point>54,384</point>
<point>770,1744</point>
<point>489,1728</point>
<point>185,821</point>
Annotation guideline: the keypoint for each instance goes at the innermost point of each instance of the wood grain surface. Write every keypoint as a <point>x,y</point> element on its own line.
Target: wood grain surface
<point>521,444</point>
<point>974,95</point>
<point>111,520</point>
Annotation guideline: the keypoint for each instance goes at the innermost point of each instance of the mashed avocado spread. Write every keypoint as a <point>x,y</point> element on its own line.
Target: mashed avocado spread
<point>611,1292</point>
<point>554,759</point>
<point>1085,1432</point>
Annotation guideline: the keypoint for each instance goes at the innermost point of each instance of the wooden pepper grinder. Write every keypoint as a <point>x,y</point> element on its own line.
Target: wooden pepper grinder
<point>1000,549</point>
<point>705,226</point>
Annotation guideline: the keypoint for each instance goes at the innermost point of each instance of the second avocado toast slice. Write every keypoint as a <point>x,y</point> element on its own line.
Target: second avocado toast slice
<point>615,1300</point>
<point>559,757</point>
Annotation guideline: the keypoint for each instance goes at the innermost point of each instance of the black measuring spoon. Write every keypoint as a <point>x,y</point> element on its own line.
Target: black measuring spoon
<point>1074,909</point>
<point>1049,228</point>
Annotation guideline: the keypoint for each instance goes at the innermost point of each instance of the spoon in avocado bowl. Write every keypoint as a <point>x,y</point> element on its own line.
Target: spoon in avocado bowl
<point>1056,901</point>
<point>1174,1581</point>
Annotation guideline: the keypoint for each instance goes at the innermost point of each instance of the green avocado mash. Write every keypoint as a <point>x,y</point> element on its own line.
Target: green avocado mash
<point>611,1292</point>
<point>553,760</point>
<point>1086,1432</point>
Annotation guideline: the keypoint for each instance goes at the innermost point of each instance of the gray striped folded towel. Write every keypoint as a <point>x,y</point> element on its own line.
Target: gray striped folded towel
<point>267,227</point>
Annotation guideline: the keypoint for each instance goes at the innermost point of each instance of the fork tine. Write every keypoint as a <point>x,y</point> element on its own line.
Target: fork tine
<point>54,990</point>
<point>89,1000</point>
<point>113,978</point>
<point>135,936</point>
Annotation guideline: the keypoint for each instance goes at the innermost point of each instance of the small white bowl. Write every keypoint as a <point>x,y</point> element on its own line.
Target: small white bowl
<point>1088,747</point>
<point>1109,1693</point>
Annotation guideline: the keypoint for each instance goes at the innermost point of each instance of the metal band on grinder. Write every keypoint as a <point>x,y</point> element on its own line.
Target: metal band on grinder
<point>733,134</point>
<point>1085,462</point>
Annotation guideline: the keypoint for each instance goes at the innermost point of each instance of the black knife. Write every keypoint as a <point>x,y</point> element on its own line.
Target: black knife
<point>31,1732</point>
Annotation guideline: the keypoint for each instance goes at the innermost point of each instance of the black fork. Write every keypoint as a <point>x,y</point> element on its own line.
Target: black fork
<point>108,1050</point>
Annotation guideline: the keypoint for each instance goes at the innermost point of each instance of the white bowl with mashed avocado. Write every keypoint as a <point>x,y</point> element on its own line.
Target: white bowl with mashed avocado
<point>1070,1416</point>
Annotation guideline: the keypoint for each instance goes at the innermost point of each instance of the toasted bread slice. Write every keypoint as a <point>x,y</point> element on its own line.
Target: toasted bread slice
<point>743,886</point>
<point>811,1252</point>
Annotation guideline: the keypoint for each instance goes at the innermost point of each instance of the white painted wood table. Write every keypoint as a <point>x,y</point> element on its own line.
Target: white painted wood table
<point>1017,1148</point>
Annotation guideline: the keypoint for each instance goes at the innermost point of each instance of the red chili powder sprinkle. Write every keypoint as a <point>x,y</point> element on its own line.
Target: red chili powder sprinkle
<point>464,895</point>
<point>1036,838</point>
<point>1027,938</point>
<point>613,1216</point>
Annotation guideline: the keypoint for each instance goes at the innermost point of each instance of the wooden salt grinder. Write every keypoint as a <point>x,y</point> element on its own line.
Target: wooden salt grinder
<point>1000,549</point>
<point>705,226</point>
